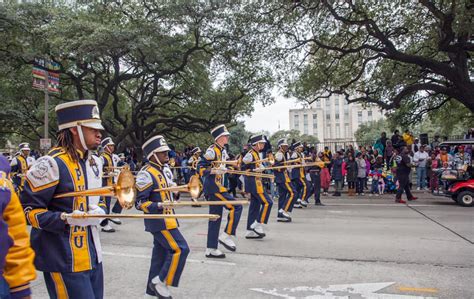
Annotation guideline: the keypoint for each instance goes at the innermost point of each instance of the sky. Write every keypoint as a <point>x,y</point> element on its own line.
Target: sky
<point>269,117</point>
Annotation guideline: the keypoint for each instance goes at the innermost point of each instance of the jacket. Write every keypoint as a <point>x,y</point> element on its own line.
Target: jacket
<point>298,172</point>
<point>19,167</point>
<point>351,168</point>
<point>282,176</point>
<point>252,184</point>
<point>59,246</point>
<point>154,176</point>
<point>16,255</point>
<point>212,183</point>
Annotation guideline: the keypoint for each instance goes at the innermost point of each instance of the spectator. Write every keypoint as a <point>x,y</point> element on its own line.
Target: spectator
<point>361,174</point>
<point>470,134</point>
<point>408,138</point>
<point>415,146</point>
<point>325,175</point>
<point>388,153</point>
<point>435,143</point>
<point>403,173</point>
<point>419,160</point>
<point>396,138</point>
<point>433,164</point>
<point>337,173</point>
<point>444,157</point>
<point>351,174</point>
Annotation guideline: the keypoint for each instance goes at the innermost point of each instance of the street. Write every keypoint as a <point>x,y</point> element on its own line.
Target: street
<point>354,247</point>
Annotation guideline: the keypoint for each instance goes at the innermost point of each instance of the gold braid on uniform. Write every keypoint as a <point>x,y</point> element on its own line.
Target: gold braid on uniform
<point>65,141</point>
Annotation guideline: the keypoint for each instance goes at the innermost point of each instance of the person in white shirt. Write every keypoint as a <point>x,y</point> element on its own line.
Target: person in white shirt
<point>419,160</point>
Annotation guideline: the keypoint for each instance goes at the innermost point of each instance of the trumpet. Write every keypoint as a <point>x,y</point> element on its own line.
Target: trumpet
<point>193,187</point>
<point>124,190</point>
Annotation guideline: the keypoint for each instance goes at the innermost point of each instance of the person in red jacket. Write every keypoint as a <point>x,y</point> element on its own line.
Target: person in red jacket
<point>16,255</point>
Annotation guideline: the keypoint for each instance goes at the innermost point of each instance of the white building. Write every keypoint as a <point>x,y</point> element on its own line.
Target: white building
<point>332,119</point>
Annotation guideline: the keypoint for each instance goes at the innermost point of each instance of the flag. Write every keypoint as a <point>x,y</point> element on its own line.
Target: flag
<point>46,70</point>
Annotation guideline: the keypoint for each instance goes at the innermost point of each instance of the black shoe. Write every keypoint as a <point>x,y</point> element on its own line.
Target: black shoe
<point>319,204</point>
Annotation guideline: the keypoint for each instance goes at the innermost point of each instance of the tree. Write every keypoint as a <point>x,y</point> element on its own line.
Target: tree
<point>153,68</point>
<point>369,132</point>
<point>396,54</point>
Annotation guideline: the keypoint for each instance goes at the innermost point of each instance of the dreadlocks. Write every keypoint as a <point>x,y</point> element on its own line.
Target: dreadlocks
<point>65,141</point>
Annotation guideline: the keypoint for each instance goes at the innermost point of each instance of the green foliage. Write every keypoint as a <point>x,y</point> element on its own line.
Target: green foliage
<point>369,132</point>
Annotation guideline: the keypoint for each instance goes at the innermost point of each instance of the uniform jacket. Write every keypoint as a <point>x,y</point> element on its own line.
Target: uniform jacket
<point>282,176</point>
<point>297,172</point>
<point>154,176</point>
<point>16,255</point>
<point>60,247</point>
<point>107,162</point>
<point>252,184</point>
<point>212,183</point>
<point>193,163</point>
<point>19,167</point>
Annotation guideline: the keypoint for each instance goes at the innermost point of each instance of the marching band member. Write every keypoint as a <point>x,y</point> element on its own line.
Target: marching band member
<point>170,249</point>
<point>109,164</point>
<point>19,166</point>
<point>16,255</point>
<point>215,191</point>
<point>193,165</point>
<point>298,177</point>
<point>260,202</point>
<point>286,193</point>
<point>67,249</point>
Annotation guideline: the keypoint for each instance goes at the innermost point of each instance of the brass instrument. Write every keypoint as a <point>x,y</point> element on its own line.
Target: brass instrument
<point>204,203</point>
<point>321,164</point>
<point>298,160</point>
<point>124,190</point>
<point>172,162</point>
<point>247,173</point>
<point>270,159</point>
<point>233,163</point>
<point>193,187</point>
<point>212,217</point>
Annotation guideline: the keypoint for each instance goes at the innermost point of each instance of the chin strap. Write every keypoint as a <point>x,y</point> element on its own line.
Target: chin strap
<point>81,138</point>
<point>157,160</point>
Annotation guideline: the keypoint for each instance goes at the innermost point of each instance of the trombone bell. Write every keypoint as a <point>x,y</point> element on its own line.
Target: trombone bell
<point>192,187</point>
<point>124,190</point>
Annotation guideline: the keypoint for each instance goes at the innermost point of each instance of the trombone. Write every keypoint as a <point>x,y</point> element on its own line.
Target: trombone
<point>193,187</point>
<point>125,193</point>
<point>269,159</point>
<point>233,163</point>
<point>245,173</point>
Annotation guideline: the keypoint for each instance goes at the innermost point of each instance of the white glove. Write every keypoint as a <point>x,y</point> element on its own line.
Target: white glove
<point>77,221</point>
<point>260,168</point>
<point>218,171</point>
<point>95,210</point>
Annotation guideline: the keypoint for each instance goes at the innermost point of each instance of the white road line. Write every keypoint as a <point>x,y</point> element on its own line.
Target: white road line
<point>374,205</point>
<point>188,260</point>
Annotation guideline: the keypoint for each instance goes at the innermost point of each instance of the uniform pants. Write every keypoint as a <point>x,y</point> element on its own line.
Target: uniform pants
<point>286,196</point>
<point>116,209</point>
<point>168,258</point>
<point>316,180</point>
<point>75,285</point>
<point>403,185</point>
<point>301,187</point>
<point>259,209</point>
<point>4,288</point>
<point>232,219</point>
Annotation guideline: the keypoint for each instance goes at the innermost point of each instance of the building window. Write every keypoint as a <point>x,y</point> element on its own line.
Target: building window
<point>315,121</point>
<point>359,117</point>
<point>328,102</point>
<point>369,115</point>
<point>305,119</point>
<point>297,121</point>
<point>338,131</point>
<point>318,104</point>
<point>328,116</point>
<point>305,129</point>
<point>337,115</point>
<point>328,131</point>
<point>346,130</point>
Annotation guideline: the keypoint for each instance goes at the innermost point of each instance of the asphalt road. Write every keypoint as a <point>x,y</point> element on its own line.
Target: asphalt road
<point>359,247</point>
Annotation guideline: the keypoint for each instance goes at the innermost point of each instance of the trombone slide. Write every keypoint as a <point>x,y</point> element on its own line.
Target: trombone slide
<point>212,217</point>
<point>204,203</point>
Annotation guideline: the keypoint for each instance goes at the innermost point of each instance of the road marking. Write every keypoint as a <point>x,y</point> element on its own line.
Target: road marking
<point>421,290</point>
<point>187,260</point>
<point>364,290</point>
<point>375,205</point>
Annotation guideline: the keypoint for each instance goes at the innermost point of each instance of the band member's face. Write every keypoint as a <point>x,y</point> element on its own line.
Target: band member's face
<point>110,148</point>
<point>223,140</point>
<point>92,137</point>
<point>284,148</point>
<point>260,146</point>
<point>299,149</point>
<point>25,153</point>
<point>163,157</point>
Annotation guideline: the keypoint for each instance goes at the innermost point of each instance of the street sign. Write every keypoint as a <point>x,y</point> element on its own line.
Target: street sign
<point>45,143</point>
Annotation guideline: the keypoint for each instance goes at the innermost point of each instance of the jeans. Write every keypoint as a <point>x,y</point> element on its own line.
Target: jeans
<point>421,177</point>
<point>360,185</point>
<point>338,185</point>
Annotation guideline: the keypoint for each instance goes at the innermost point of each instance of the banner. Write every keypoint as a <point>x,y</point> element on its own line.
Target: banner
<point>46,70</point>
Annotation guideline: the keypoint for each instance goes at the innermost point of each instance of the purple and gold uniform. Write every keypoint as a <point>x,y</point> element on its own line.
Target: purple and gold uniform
<point>16,255</point>
<point>170,249</point>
